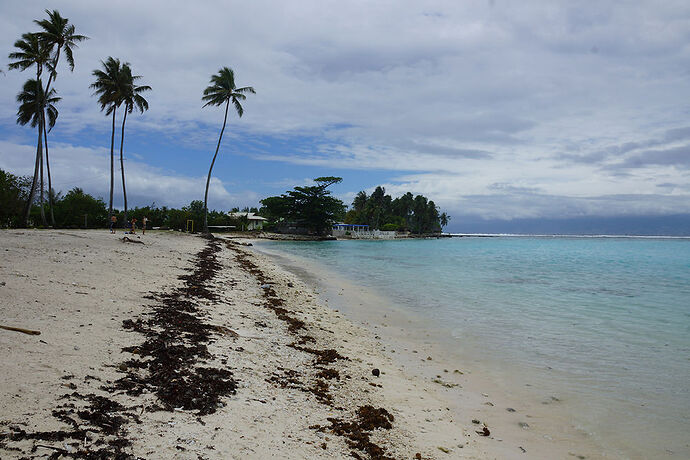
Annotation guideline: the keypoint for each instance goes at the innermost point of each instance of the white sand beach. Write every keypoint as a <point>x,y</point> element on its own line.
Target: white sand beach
<point>288,377</point>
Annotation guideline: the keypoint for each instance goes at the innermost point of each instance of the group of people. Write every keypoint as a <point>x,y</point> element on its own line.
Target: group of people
<point>133,225</point>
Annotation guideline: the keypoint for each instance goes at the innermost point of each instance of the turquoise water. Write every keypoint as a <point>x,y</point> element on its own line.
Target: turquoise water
<point>606,318</point>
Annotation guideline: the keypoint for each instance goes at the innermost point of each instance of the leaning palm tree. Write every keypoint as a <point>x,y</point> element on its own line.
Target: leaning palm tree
<point>57,34</point>
<point>222,91</point>
<point>111,89</point>
<point>32,104</point>
<point>132,99</point>
<point>31,51</point>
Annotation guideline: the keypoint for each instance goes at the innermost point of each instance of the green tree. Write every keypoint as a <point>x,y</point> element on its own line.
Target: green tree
<point>402,207</point>
<point>132,98</point>
<point>111,88</point>
<point>222,91</point>
<point>13,192</point>
<point>78,209</point>
<point>311,207</point>
<point>195,211</point>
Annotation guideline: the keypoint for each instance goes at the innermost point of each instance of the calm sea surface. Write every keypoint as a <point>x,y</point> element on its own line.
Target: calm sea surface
<point>606,320</point>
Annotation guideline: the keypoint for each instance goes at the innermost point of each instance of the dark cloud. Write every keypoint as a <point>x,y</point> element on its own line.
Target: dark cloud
<point>677,156</point>
<point>659,151</point>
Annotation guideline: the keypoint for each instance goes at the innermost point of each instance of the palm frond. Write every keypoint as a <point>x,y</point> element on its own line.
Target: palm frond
<point>246,89</point>
<point>52,113</point>
<point>238,107</point>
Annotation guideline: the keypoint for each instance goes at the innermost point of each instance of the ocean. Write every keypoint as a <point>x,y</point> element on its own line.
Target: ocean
<point>604,322</point>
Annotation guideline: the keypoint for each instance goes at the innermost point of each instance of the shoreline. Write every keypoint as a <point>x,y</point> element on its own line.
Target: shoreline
<point>291,376</point>
<point>539,419</point>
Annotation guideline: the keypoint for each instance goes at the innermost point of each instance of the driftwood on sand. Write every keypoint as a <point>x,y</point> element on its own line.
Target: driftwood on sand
<point>129,240</point>
<point>19,329</point>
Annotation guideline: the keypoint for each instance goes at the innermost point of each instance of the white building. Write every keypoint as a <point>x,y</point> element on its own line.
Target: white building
<point>254,222</point>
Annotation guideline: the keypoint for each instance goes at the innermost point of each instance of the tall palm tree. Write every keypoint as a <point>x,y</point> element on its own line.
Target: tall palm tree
<point>31,51</point>
<point>111,89</point>
<point>33,101</point>
<point>132,99</point>
<point>222,91</point>
<point>57,34</point>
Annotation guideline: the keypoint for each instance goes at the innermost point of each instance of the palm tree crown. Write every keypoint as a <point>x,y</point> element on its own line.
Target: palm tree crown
<point>110,84</point>
<point>31,100</point>
<point>131,93</point>
<point>58,33</point>
<point>222,90</point>
<point>31,51</point>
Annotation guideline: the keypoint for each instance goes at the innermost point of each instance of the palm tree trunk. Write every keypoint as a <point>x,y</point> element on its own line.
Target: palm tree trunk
<point>32,192</point>
<point>122,163</point>
<point>43,211</point>
<point>45,135</point>
<point>112,167</point>
<point>55,62</point>
<point>208,180</point>
<point>50,184</point>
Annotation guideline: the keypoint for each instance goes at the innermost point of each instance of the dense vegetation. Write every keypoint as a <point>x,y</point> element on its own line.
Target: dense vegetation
<point>410,213</point>
<point>77,209</point>
<point>311,208</point>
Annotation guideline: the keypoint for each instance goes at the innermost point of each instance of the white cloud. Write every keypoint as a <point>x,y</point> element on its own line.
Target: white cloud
<point>459,95</point>
<point>89,169</point>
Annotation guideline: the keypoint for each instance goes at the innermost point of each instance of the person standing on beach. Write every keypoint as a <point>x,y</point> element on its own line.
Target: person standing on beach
<point>113,222</point>
<point>134,226</point>
<point>143,225</point>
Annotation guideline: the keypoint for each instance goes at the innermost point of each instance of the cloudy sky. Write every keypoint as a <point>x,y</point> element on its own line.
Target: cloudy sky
<point>494,109</point>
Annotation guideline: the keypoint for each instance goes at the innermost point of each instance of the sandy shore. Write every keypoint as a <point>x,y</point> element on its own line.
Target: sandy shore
<point>183,347</point>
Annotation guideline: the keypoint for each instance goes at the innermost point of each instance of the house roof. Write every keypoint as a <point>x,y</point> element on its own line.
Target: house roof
<point>249,215</point>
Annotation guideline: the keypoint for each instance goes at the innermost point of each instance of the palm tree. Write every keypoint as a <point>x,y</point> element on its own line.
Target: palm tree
<point>32,103</point>
<point>111,89</point>
<point>443,219</point>
<point>31,51</point>
<point>132,99</point>
<point>57,35</point>
<point>222,91</point>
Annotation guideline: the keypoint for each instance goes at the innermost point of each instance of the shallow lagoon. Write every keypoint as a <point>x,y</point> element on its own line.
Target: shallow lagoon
<point>604,322</point>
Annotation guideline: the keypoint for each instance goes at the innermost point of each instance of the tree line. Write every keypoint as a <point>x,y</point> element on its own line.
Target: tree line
<point>115,86</point>
<point>313,209</point>
<point>78,209</point>
<point>407,213</point>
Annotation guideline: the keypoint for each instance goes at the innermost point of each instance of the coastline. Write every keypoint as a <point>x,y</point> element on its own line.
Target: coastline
<point>533,415</point>
<point>291,376</point>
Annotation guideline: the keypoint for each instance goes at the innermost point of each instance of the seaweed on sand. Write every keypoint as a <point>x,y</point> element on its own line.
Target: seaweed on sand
<point>166,364</point>
<point>357,432</point>
<point>176,340</point>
